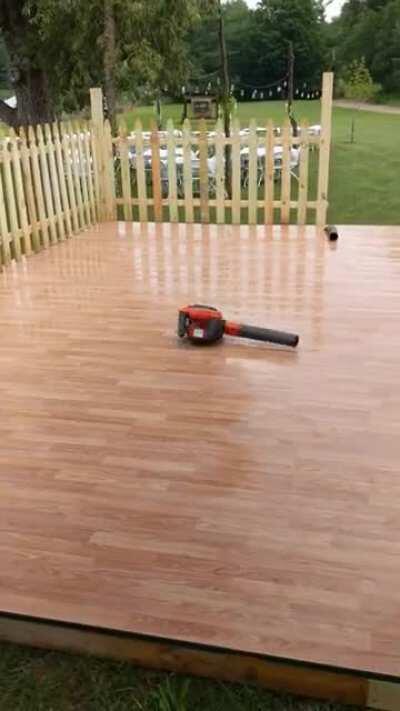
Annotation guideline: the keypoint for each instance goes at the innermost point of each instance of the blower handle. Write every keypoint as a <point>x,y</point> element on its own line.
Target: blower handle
<point>262,334</point>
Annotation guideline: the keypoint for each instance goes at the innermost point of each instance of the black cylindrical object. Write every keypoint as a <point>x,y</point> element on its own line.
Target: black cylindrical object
<point>332,233</point>
<point>268,335</point>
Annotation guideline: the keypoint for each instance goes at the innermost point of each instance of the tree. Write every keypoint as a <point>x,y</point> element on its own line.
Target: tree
<point>280,22</point>
<point>27,66</point>
<point>358,84</point>
<point>59,48</point>
<point>109,59</point>
<point>371,29</point>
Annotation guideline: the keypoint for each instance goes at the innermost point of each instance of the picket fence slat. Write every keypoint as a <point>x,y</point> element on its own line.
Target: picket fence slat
<point>140,173</point>
<point>12,205</point>
<point>93,147</point>
<point>172,187</point>
<point>286,176</point>
<point>109,175</point>
<point>303,174</point>
<point>20,194</point>
<point>156,175</point>
<point>125,172</point>
<point>4,231</point>
<point>27,178</point>
<point>55,188</point>
<point>47,192</point>
<point>86,173</point>
<point>253,162</point>
<point>83,171</point>
<point>236,183</point>
<point>220,172</point>
<point>89,172</point>
<point>67,160</point>
<point>325,148</point>
<point>269,174</point>
<point>204,186</point>
<point>187,172</point>
<point>74,157</point>
<point>61,177</point>
<point>38,186</point>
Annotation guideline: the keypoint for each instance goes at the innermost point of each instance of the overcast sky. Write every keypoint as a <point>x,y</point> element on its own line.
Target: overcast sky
<point>334,8</point>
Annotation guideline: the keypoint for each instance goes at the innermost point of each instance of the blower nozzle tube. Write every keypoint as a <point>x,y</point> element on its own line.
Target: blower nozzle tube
<point>262,334</point>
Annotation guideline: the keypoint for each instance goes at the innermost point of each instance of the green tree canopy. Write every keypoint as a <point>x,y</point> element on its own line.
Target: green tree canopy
<point>56,49</point>
<point>370,29</point>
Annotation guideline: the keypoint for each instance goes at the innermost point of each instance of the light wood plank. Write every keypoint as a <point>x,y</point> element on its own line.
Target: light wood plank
<point>325,148</point>
<point>62,179</point>
<point>67,148</point>
<point>87,144</point>
<point>109,174</point>
<point>204,181</point>
<point>236,173</point>
<point>94,147</point>
<point>172,185</point>
<point>140,172</point>
<point>252,189</point>
<point>125,171</point>
<point>96,424</point>
<point>74,158</point>
<point>11,200</point>
<point>38,186</point>
<point>48,195</point>
<point>54,182</point>
<point>303,174</point>
<point>20,194</point>
<point>28,181</point>
<point>83,170</point>
<point>269,186</point>
<point>285,176</point>
<point>98,147</point>
<point>4,230</point>
<point>220,171</point>
<point>156,174</point>
<point>188,172</point>
<point>222,665</point>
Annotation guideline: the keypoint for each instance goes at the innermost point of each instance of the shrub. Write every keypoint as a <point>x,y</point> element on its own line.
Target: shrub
<point>357,83</point>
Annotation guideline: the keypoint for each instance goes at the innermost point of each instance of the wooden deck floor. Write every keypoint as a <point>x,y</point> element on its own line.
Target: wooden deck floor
<point>239,496</point>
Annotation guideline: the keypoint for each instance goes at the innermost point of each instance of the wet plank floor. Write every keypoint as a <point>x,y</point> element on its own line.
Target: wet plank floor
<point>242,496</point>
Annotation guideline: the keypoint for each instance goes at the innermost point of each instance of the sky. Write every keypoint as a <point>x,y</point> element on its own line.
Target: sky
<point>333,9</point>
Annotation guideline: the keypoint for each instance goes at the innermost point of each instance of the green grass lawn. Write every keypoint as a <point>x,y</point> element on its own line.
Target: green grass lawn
<point>365,175</point>
<point>34,680</point>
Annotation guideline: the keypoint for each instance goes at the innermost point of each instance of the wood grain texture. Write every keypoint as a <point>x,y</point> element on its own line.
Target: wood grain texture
<point>207,662</point>
<point>240,496</point>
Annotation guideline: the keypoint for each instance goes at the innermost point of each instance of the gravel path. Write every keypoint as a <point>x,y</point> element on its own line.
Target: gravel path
<point>376,108</point>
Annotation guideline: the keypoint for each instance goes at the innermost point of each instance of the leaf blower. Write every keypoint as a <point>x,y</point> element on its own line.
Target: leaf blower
<point>205,324</point>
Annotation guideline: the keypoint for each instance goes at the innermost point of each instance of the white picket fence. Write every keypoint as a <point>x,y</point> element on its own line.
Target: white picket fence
<point>180,175</point>
<point>48,187</point>
<point>56,180</point>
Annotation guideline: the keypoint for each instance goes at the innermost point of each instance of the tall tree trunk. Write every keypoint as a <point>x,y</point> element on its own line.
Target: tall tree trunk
<point>110,56</point>
<point>29,79</point>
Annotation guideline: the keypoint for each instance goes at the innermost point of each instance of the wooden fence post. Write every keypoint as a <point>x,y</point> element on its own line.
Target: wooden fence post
<point>325,148</point>
<point>97,112</point>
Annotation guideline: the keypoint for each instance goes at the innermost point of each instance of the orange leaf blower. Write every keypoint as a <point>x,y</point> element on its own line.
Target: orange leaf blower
<point>205,324</point>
